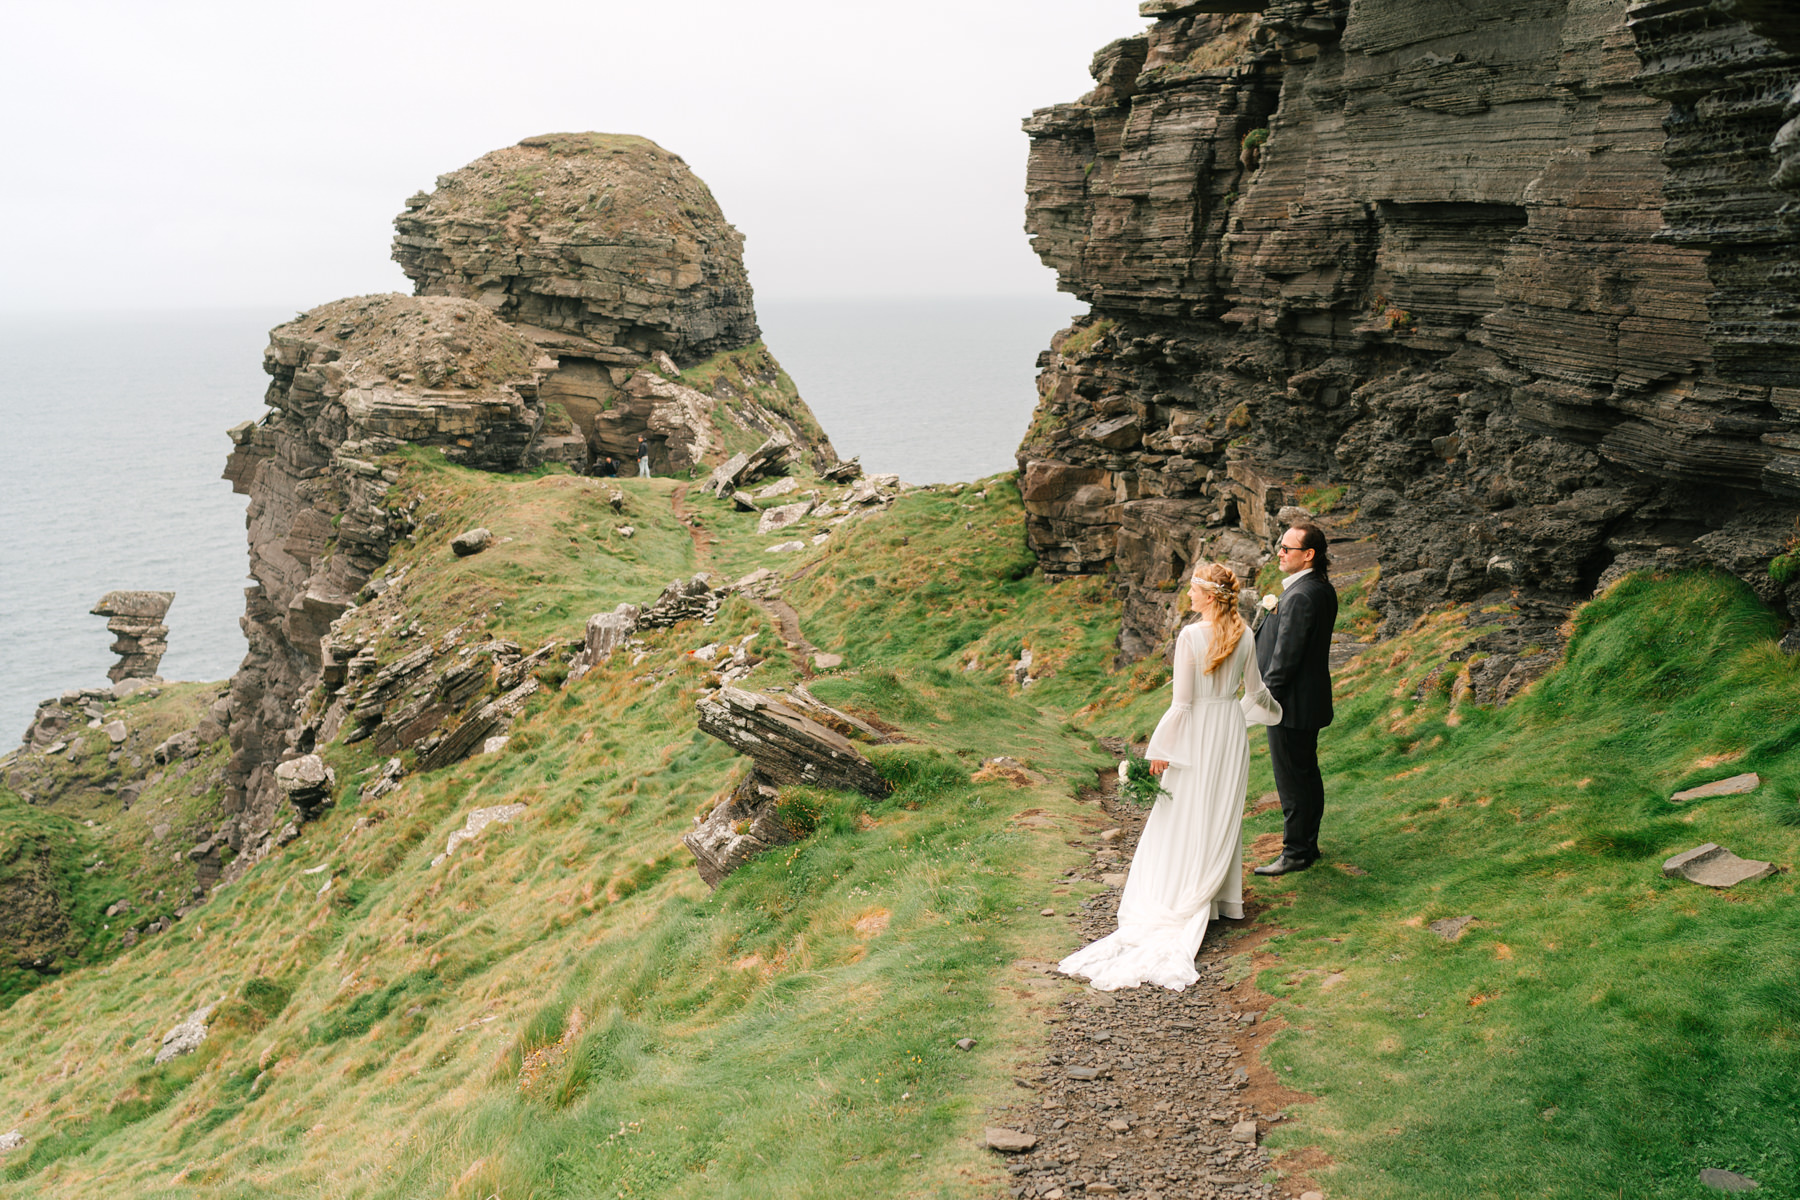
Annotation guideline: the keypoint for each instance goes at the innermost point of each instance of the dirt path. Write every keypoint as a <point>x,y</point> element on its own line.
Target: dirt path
<point>702,539</point>
<point>1152,1093</point>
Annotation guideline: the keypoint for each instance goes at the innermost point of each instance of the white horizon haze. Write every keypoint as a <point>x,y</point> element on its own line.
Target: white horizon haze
<point>209,156</point>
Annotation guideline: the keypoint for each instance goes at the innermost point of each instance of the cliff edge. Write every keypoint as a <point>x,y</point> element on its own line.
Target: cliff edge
<point>576,293</point>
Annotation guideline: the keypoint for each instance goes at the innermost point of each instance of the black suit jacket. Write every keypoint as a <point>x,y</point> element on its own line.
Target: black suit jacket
<point>1293,651</point>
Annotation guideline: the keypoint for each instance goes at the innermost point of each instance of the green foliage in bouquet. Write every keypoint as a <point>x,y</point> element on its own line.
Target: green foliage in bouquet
<point>1137,784</point>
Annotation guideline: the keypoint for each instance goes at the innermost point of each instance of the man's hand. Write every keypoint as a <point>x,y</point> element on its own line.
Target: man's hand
<point>1158,766</point>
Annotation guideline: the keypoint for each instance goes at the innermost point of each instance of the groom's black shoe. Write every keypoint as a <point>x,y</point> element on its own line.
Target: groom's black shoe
<point>1283,865</point>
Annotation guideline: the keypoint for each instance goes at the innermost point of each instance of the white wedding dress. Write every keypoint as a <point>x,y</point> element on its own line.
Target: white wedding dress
<point>1188,867</point>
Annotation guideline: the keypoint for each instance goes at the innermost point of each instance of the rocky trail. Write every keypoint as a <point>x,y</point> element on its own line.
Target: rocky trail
<point>1149,1092</point>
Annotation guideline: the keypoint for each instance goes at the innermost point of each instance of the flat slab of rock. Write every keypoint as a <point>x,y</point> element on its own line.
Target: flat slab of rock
<point>1009,1141</point>
<point>1737,785</point>
<point>1714,866</point>
<point>186,1037</point>
<point>789,747</point>
<point>478,820</point>
<point>779,518</point>
<point>1728,1181</point>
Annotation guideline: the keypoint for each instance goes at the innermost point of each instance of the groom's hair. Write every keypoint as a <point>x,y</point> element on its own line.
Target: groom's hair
<point>1314,540</point>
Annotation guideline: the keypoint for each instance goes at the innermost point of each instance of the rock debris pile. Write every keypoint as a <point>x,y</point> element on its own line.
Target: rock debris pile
<point>787,747</point>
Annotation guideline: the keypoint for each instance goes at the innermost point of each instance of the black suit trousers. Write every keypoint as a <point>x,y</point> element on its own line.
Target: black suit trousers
<point>1294,753</point>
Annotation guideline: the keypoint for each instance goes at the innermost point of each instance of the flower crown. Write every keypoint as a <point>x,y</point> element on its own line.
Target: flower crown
<point>1219,590</point>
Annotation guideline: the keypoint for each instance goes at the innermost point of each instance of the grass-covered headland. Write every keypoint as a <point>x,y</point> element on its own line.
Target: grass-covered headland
<point>562,1008</point>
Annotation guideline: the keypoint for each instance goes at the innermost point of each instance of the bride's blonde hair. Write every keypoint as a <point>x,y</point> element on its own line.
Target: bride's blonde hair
<point>1220,583</point>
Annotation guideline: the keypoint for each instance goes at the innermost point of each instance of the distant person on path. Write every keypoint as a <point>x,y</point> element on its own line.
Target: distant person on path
<point>1293,647</point>
<point>609,467</point>
<point>643,458</point>
<point>1189,864</point>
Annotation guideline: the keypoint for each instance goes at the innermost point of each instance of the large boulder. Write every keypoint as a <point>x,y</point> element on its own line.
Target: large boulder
<point>307,782</point>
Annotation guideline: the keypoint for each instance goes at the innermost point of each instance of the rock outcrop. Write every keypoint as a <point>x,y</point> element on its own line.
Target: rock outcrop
<point>790,744</point>
<point>565,284</point>
<point>140,637</point>
<point>352,381</point>
<point>607,240</point>
<point>1515,284</point>
<point>613,258</point>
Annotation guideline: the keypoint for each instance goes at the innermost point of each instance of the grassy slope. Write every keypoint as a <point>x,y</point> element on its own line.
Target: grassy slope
<point>1600,1030</point>
<point>563,1009</point>
<point>87,851</point>
<point>564,1001</point>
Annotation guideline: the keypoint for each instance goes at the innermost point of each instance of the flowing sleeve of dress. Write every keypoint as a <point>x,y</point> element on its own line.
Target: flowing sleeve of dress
<point>1260,708</point>
<point>1170,741</point>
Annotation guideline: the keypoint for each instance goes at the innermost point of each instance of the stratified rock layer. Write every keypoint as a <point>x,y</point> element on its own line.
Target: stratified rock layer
<point>1518,278</point>
<point>140,637</point>
<point>352,381</point>
<point>605,238</point>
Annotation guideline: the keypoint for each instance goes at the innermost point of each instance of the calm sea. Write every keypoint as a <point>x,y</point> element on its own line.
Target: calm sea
<point>116,427</point>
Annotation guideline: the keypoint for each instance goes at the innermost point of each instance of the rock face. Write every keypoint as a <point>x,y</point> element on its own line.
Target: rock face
<point>141,639</point>
<point>1519,279</point>
<point>352,380</point>
<point>607,239</point>
<point>564,283</point>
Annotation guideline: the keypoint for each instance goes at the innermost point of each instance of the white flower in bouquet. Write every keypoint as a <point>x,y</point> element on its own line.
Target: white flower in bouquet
<point>1124,770</point>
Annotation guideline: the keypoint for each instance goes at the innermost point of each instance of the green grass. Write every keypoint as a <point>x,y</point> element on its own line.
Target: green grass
<point>563,1009</point>
<point>1654,1021</point>
<point>563,1004</point>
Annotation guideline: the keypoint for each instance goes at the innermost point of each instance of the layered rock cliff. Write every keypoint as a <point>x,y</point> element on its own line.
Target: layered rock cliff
<point>1516,284</point>
<point>565,284</point>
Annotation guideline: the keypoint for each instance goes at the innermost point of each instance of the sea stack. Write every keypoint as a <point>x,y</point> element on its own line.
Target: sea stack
<point>140,637</point>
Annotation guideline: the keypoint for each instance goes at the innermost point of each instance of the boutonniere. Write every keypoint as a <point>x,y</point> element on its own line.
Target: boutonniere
<point>1263,608</point>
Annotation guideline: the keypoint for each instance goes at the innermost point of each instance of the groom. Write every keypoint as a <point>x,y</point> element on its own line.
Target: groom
<point>1293,651</point>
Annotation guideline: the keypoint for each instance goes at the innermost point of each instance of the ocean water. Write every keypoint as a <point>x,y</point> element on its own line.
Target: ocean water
<point>114,434</point>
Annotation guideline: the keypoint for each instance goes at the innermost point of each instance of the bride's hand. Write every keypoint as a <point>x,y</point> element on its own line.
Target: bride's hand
<point>1158,766</point>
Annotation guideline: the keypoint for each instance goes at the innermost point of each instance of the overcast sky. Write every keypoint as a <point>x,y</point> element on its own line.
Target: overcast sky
<point>179,155</point>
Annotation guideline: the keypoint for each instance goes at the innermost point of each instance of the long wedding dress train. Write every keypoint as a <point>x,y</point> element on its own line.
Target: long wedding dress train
<point>1188,867</point>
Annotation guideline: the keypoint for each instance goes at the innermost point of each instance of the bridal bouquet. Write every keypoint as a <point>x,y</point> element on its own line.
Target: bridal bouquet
<point>1137,784</point>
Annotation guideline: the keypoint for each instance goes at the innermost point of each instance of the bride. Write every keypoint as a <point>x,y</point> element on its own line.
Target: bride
<point>1188,867</point>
